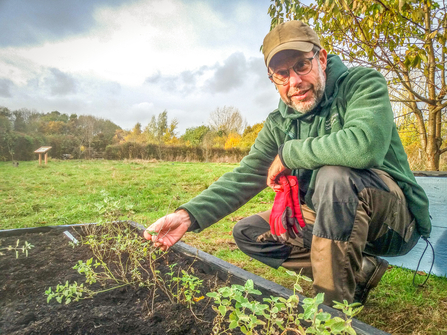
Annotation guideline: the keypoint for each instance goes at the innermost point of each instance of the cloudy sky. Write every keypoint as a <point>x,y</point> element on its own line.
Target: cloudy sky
<point>126,60</point>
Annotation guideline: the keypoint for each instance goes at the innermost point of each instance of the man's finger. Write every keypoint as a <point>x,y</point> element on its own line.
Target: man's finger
<point>146,235</point>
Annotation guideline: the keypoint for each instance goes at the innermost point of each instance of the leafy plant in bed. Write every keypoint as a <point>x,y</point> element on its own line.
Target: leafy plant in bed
<point>122,258</point>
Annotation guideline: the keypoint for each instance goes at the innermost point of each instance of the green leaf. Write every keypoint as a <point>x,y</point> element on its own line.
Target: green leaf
<point>350,330</point>
<point>319,298</point>
<point>253,291</point>
<point>233,324</point>
<point>249,284</point>
<point>298,287</point>
<point>323,316</point>
<point>222,310</point>
<point>338,327</point>
<point>291,273</point>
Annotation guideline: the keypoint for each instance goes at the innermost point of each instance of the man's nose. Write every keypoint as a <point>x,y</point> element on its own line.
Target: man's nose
<point>294,79</point>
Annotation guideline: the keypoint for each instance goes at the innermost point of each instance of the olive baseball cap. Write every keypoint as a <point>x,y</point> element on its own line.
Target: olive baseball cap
<point>290,35</point>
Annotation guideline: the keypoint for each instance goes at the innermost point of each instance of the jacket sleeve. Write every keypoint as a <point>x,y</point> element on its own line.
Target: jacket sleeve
<point>365,136</point>
<point>235,188</point>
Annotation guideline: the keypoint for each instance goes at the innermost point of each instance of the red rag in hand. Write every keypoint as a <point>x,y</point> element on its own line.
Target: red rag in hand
<point>286,212</point>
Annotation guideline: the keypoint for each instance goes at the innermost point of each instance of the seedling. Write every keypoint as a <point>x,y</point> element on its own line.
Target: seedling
<point>24,248</point>
<point>189,287</point>
<point>68,292</point>
<point>235,310</point>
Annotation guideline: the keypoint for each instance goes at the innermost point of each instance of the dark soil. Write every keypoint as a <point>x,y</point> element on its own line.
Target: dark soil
<point>127,310</point>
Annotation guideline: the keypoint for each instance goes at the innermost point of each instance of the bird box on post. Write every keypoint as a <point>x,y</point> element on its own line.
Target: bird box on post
<point>43,150</point>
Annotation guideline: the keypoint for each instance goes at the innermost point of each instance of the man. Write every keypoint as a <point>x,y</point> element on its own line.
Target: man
<point>334,131</point>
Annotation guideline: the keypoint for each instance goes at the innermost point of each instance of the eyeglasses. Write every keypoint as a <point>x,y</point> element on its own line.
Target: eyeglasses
<point>301,67</point>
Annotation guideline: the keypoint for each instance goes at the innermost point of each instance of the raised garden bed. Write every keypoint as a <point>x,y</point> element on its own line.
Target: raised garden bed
<point>124,310</point>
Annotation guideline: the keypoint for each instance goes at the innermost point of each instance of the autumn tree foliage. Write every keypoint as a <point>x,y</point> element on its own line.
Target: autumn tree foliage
<point>85,136</point>
<point>23,131</point>
<point>403,39</point>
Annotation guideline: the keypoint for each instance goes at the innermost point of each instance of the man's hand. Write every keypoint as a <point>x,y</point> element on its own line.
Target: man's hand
<point>168,230</point>
<point>275,171</point>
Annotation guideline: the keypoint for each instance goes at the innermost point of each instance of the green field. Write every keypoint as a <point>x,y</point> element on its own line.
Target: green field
<point>71,192</point>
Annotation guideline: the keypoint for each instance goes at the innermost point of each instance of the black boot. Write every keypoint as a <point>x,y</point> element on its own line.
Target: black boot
<point>369,277</point>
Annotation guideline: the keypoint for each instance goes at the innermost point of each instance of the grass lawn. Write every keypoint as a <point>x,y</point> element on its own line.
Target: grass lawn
<point>70,192</point>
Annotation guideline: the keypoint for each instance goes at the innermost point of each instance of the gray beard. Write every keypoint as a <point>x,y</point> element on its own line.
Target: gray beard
<point>318,96</point>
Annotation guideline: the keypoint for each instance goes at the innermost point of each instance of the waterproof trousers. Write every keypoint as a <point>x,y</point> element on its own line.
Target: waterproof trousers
<point>357,213</point>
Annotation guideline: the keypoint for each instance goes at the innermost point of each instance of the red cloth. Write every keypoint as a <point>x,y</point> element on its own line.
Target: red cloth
<point>286,212</point>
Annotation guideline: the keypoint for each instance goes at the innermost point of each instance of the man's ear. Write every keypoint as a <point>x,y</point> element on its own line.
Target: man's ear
<point>322,56</point>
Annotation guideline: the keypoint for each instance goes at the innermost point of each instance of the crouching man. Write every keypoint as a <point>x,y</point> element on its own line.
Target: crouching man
<point>354,197</point>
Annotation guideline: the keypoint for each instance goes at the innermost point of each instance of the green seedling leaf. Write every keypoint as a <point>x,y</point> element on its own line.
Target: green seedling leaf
<point>222,310</point>
<point>350,330</point>
<point>212,294</point>
<point>319,298</point>
<point>323,316</point>
<point>291,273</point>
<point>338,327</point>
<point>253,291</point>
<point>233,324</point>
<point>249,285</point>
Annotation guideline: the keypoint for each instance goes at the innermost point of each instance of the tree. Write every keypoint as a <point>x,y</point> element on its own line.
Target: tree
<point>170,135</point>
<point>405,40</point>
<point>227,120</point>
<point>86,129</point>
<point>159,131</point>
<point>150,131</point>
<point>250,134</point>
<point>232,141</point>
<point>194,136</point>
<point>135,135</point>
<point>56,127</point>
<point>162,125</point>
<point>20,117</point>
<point>5,119</point>
<point>6,136</point>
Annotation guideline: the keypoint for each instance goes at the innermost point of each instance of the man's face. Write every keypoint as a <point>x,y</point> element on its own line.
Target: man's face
<point>303,92</point>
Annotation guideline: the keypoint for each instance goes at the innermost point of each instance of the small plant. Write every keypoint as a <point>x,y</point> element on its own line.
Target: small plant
<point>68,292</point>
<point>24,248</point>
<point>122,258</point>
<point>189,287</point>
<point>235,309</point>
<point>243,312</point>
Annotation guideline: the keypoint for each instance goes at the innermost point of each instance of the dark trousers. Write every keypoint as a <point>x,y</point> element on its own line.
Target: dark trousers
<point>357,213</point>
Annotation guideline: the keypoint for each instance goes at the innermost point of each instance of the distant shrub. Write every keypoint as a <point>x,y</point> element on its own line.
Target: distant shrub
<point>133,150</point>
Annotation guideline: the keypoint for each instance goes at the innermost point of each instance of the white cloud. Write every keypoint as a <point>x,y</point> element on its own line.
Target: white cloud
<point>133,59</point>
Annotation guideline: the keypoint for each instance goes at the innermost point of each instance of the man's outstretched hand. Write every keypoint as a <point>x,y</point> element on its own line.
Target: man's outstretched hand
<point>276,170</point>
<point>168,230</point>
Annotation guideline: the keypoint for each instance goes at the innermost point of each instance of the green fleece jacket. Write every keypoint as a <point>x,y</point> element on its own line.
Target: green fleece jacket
<point>353,126</point>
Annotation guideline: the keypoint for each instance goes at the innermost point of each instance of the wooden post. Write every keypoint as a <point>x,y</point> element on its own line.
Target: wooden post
<point>46,158</point>
<point>40,159</point>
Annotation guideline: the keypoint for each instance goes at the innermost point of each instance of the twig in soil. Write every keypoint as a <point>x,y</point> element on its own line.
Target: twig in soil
<point>195,316</point>
<point>213,288</point>
<point>153,300</point>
